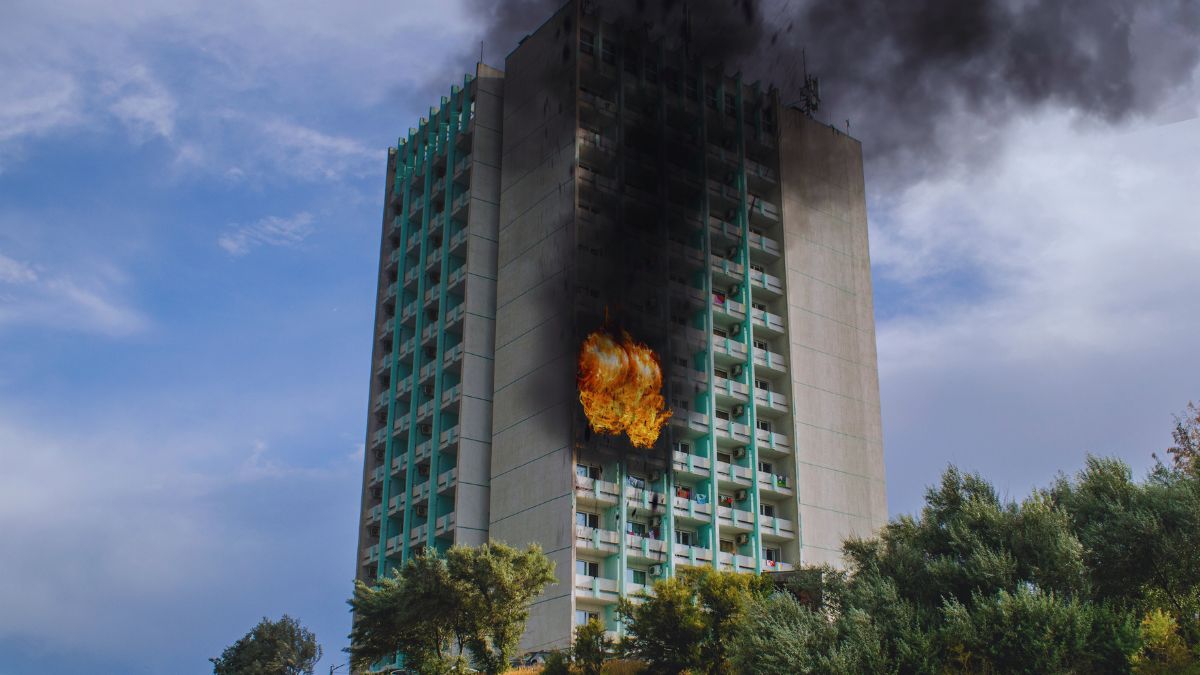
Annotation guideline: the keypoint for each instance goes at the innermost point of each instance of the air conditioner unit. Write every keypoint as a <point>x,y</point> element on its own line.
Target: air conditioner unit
<point>739,410</point>
<point>739,452</point>
<point>732,251</point>
<point>743,539</point>
<point>421,510</point>
<point>735,290</point>
<point>736,371</point>
<point>656,570</point>
<point>741,495</point>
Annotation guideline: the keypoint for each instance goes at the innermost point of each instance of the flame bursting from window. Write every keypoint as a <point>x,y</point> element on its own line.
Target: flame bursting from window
<point>620,387</point>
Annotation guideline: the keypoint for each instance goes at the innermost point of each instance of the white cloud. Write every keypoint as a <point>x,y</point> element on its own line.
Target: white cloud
<point>1044,303</point>
<point>85,297</point>
<point>269,231</point>
<point>109,531</point>
<point>142,104</point>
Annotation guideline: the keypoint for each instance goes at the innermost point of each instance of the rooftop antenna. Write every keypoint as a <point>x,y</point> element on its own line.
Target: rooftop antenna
<point>810,90</point>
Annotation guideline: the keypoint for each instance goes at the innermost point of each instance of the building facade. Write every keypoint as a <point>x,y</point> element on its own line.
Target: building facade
<point>608,181</point>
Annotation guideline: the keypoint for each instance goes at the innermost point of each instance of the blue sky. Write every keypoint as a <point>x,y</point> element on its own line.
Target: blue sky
<point>190,204</point>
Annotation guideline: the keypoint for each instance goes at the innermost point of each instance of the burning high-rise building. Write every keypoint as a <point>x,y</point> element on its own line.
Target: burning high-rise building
<point>624,312</point>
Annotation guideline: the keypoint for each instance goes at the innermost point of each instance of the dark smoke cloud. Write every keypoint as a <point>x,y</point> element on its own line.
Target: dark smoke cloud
<point>903,70</point>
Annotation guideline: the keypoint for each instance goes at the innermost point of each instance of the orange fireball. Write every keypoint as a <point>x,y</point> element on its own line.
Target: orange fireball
<point>620,387</point>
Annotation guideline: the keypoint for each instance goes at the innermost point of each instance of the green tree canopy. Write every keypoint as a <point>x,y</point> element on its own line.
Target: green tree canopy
<point>438,610</point>
<point>282,647</point>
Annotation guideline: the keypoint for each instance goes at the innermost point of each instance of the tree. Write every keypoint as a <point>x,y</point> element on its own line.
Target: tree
<point>282,647</point>
<point>1185,454</point>
<point>416,612</point>
<point>1162,651</point>
<point>495,584</point>
<point>438,609</point>
<point>689,621</point>
<point>591,647</point>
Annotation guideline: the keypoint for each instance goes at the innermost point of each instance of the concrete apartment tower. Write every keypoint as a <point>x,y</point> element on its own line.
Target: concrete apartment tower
<point>606,182</point>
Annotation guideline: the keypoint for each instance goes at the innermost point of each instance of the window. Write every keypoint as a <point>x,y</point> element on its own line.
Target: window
<point>765,425</point>
<point>720,332</point>
<point>767,510</point>
<point>765,385</point>
<point>727,546</point>
<point>635,482</point>
<point>721,372</point>
<point>608,52</point>
<point>766,467</point>
<point>759,305</point>
<point>725,500</point>
<point>587,568</point>
<point>683,491</point>
<point>582,616</point>
<point>685,537</point>
<point>761,344</point>
<point>587,42</point>
<point>586,519</point>
<point>636,528</point>
<point>724,457</point>
<point>757,268</point>
<point>718,299</point>
<point>635,576</point>
<point>681,361</point>
<point>771,554</point>
<point>587,470</point>
<point>722,414</point>
<point>684,447</point>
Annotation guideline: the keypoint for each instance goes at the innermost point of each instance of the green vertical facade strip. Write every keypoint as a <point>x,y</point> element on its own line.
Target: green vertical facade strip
<point>748,328</point>
<point>426,161</point>
<point>714,540</point>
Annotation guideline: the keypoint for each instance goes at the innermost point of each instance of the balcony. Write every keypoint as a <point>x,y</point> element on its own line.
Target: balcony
<point>595,492</point>
<point>462,167</point>
<point>402,423</point>
<point>404,388</point>
<point>733,475</point>
<point>386,327</point>
<point>763,211</point>
<point>596,540</point>
<point>375,514</point>
<point>399,462</point>
<point>454,354</point>
<point>690,420</point>
<point>692,555</point>
<point>762,281</point>
<point>376,476</point>
<point>370,554</point>
<point>397,504</point>
<point>775,484</point>
<point>433,258</point>
<point>770,360</point>
<point>776,528</point>
<point>772,323</point>
<point>417,535</point>
<point>770,400</point>
<point>596,587</point>
<point>447,480</point>
<point>406,348</point>
<point>451,396</point>
<point>729,309</point>
<point>691,465</point>
<point>459,206</point>
<point>379,438</point>
<point>736,431</point>
<point>730,389</point>
<point>394,547</point>
<point>600,104</point>
<point>414,240</point>
<point>409,313</point>
<point>445,524</point>
<point>450,438</point>
<point>773,440</point>
<point>381,402</point>
<point>389,293</point>
<point>645,548</point>
<point>687,508</point>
